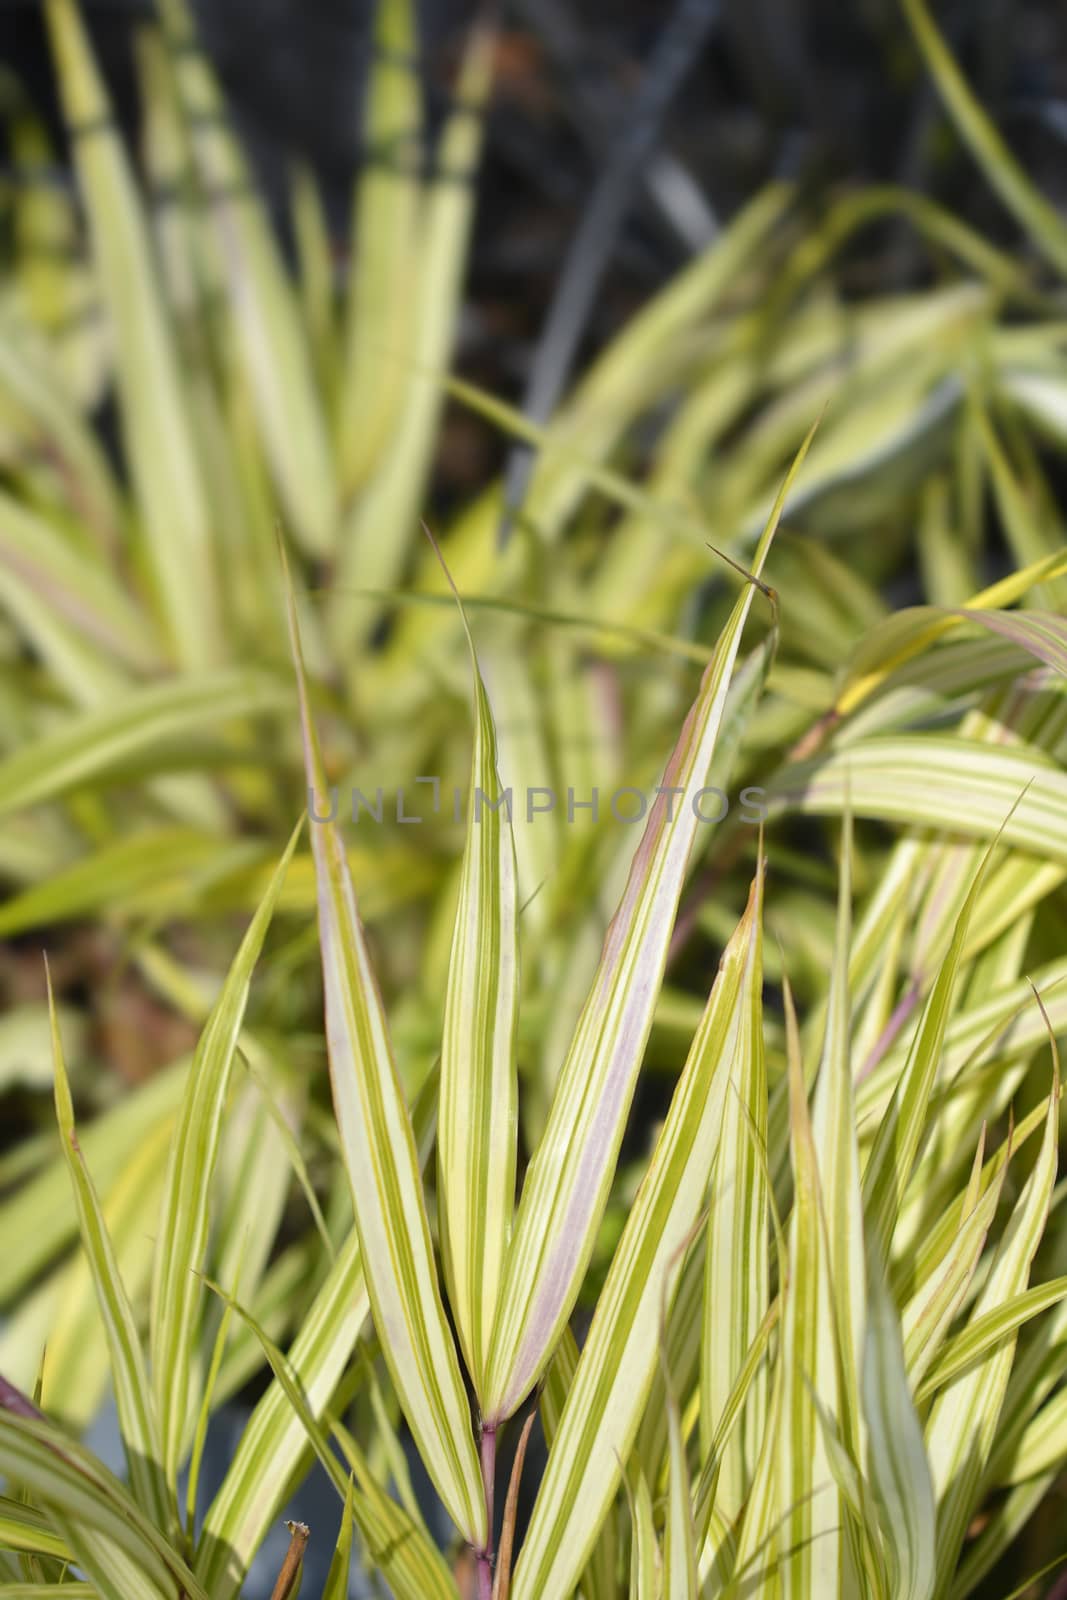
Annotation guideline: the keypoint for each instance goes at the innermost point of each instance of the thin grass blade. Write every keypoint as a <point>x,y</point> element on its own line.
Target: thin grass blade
<point>569,1177</point>
<point>383,1170</point>
<point>478,1114</point>
<point>617,1363</point>
<point>183,1222</point>
<point>162,454</point>
<point>129,1374</point>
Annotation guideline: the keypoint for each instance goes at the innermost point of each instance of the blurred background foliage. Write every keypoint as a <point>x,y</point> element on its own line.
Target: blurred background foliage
<point>210,331</point>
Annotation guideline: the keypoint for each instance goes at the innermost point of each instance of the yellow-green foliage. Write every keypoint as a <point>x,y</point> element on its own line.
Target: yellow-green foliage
<point>805,1335</point>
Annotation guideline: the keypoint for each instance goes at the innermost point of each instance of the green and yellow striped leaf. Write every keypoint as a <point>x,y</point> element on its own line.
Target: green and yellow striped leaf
<point>618,1361</point>
<point>383,1170</point>
<point>896,1456</point>
<point>569,1177</point>
<point>962,1424</point>
<point>249,1499</point>
<point>149,729</point>
<point>184,1217</point>
<point>123,1554</point>
<point>134,1400</point>
<point>271,339</point>
<point>159,440</point>
<point>478,1112</point>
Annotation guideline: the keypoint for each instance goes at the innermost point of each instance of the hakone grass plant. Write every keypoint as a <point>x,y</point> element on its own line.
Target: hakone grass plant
<point>827,1330</point>
<point>810,1363</point>
<point>154,701</point>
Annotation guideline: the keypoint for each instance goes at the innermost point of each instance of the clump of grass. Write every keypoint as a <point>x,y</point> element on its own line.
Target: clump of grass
<point>803,1349</point>
<point>805,1335</point>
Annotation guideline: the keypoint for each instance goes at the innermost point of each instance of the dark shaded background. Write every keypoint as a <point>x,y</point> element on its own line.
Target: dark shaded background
<point>813,89</point>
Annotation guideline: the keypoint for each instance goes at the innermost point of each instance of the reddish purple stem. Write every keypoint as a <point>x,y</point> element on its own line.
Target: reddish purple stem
<point>484,1557</point>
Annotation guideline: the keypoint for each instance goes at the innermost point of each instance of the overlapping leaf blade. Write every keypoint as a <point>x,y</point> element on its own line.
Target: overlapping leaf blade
<point>618,1361</point>
<point>567,1183</point>
<point>897,1462</point>
<point>383,1170</point>
<point>272,340</point>
<point>900,1132</point>
<point>381,525</point>
<point>478,1113</point>
<point>936,781</point>
<point>126,1557</point>
<point>163,458</point>
<point>248,1499</point>
<point>1004,172</point>
<point>183,1223</point>
<point>129,1374</point>
<point>151,726</point>
<point>962,1424</point>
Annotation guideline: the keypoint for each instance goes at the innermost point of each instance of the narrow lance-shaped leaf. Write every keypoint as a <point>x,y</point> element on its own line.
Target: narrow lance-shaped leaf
<point>248,1500</point>
<point>615,1370</point>
<point>144,872</point>
<point>1040,633</point>
<point>74,1373</point>
<point>644,1550</point>
<point>271,339</point>
<point>758,1544</point>
<point>598,1576</point>
<point>159,440</point>
<point>76,666</point>
<point>936,782</point>
<point>24,1528</point>
<point>337,1578</point>
<point>990,1330</point>
<point>383,266</point>
<point>897,1465</point>
<point>936,1301</point>
<point>39,1220</point>
<point>1005,173</point>
<point>311,236</point>
<point>715,1537</point>
<point>76,585</point>
<point>834,1131</point>
<point>396,1545</point>
<point>908,633</point>
<point>842,1542</point>
<point>34,381</point>
<point>736,1282</point>
<point>1001,1026</point>
<point>129,1374</point>
<point>679,1542</point>
<point>124,1554</point>
<point>383,1170</point>
<point>151,726</point>
<point>207,1404</point>
<point>478,1114</point>
<point>962,1424</point>
<point>377,536</point>
<point>183,1222</point>
<point>569,1178</point>
<point>810,1506</point>
<point>900,1132</point>
<point>34,1591</point>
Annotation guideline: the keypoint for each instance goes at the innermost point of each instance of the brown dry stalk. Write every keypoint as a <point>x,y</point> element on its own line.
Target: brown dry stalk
<point>299,1533</point>
<point>511,1507</point>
